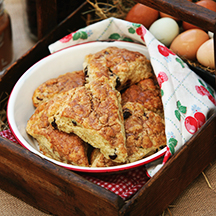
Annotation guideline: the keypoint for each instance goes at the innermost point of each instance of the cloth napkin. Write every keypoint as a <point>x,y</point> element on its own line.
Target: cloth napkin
<point>186,98</point>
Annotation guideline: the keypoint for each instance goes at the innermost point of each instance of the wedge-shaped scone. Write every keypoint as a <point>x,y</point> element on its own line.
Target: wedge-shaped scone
<point>147,93</point>
<point>145,131</point>
<point>94,113</point>
<point>57,85</point>
<point>139,99</point>
<point>63,147</point>
<point>145,134</point>
<point>121,66</point>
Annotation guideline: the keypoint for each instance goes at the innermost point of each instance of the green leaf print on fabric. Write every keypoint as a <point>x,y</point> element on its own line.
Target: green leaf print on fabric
<point>83,35</point>
<point>80,35</point>
<point>178,115</point>
<point>115,36</point>
<point>136,25</point>
<point>127,39</point>
<point>172,143</point>
<point>131,30</point>
<point>162,92</point>
<point>180,61</point>
<point>181,109</point>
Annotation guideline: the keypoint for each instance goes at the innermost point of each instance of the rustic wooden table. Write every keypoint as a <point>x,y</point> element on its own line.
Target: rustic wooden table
<point>198,199</point>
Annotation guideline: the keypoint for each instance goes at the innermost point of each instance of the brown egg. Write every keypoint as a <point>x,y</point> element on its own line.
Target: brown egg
<point>205,54</point>
<point>142,14</point>
<point>209,4</point>
<point>187,43</point>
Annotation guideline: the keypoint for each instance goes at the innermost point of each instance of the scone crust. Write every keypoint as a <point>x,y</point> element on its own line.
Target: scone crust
<point>94,113</point>
<point>63,147</point>
<point>57,85</point>
<point>145,131</point>
<point>121,66</point>
<point>147,93</point>
<point>97,159</point>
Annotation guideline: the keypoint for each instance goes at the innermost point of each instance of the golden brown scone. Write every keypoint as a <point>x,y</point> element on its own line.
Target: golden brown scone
<point>147,93</point>
<point>97,159</point>
<point>57,85</point>
<point>121,66</point>
<point>145,134</point>
<point>145,131</point>
<point>63,147</point>
<point>94,113</point>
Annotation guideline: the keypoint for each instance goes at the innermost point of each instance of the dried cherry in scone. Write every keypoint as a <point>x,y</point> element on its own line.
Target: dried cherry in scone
<point>113,157</point>
<point>54,125</point>
<point>126,113</point>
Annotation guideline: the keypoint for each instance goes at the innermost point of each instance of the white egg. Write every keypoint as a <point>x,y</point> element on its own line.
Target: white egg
<point>165,30</point>
<point>211,34</point>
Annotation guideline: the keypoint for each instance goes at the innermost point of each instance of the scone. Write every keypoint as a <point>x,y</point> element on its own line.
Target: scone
<point>144,122</point>
<point>147,93</point>
<point>145,131</point>
<point>57,85</point>
<point>94,113</point>
<point>97,159</point>
<point>63,147</point>
<point>121,66</point>
<point>145,134</point>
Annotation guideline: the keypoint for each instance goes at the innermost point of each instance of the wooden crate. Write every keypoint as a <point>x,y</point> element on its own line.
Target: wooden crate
<point>59,191</point>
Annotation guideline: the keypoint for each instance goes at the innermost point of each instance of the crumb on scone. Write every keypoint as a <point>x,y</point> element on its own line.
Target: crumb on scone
<point>57,85</point>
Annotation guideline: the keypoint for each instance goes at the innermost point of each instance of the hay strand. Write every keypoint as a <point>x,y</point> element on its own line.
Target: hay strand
<point>110,8</point>
<point>207,181</point>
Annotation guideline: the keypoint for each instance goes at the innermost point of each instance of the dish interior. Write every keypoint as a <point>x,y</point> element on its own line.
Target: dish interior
<point>20,106</point>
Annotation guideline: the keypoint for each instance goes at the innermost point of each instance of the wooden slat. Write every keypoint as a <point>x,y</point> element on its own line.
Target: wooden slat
<point>56,190</point>
<point>40,50</point>
<point>51,188</point>
<point>46,16</point>
<point>185,10</point>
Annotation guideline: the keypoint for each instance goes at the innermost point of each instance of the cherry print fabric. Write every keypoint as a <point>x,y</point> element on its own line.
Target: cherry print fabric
<point>186,98</point>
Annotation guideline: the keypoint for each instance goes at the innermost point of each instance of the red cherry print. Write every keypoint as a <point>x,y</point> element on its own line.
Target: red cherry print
<point>163,50</point>
<point>139,30</point>
<point>199,90</point>
<point>191,124</point>
<point>167,155</point>
<point>170,52</point>
<point>211,98</point>
<point>200,117</point>
<point>66,39</point>
<point>162,77</point>
<point>143,30</point>
<point>202,90</point>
